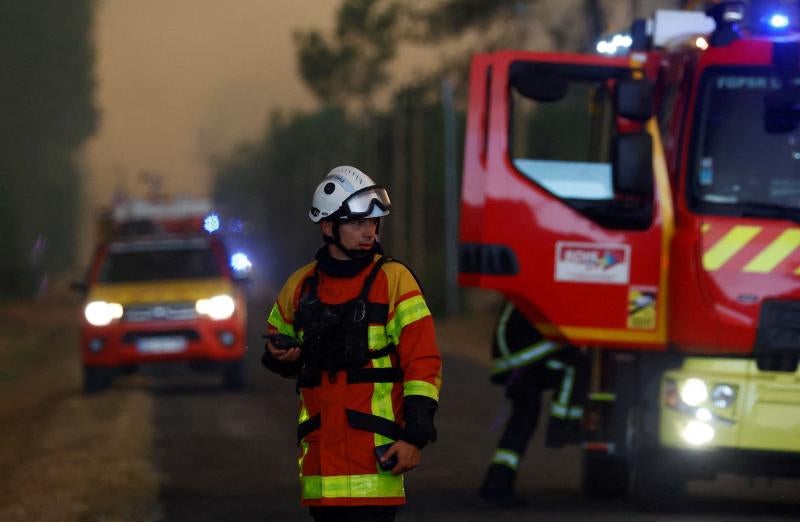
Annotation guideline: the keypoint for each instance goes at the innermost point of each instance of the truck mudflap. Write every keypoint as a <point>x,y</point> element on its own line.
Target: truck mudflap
<point>537,230</point>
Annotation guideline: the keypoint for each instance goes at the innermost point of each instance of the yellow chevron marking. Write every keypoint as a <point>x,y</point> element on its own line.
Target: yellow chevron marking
<point>728,246</point>
<point>705,227</point>
<point>776,252</point>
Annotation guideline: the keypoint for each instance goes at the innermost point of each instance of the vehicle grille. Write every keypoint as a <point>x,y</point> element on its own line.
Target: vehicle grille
<point>160,312</point>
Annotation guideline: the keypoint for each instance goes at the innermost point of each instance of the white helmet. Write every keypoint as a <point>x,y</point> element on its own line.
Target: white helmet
<point>348,193</point>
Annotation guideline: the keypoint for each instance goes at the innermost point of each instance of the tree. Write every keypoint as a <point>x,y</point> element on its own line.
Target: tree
<point>351,65</point>
<point>48,112</point>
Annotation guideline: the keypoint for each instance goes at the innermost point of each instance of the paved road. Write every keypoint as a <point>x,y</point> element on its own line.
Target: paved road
<point>177,448</point>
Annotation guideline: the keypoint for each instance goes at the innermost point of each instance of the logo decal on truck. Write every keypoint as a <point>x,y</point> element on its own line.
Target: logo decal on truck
<point>642,307</point>
<point>593,262</point>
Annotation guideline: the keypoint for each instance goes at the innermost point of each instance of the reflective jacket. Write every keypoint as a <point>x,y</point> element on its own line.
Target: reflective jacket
<point>345,414</point>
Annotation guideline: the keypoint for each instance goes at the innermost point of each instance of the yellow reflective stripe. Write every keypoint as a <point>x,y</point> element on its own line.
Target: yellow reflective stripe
<point>500,334</point>
<point>381,403</point>
<point>776,252</point>
<point>506,457</point>
<point>376,337</point>
<point>728,246</point>
<point>525,356</point>
<point>410,310</point>
<point>277,321</point>
<point>353,486</point>
<point>423,388</point>
<point>302,417</point>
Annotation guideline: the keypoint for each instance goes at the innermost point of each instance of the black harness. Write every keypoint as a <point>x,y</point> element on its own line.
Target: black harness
<point>335,336</point>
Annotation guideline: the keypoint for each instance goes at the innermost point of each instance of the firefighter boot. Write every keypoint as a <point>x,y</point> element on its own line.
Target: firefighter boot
<point>498,487</point>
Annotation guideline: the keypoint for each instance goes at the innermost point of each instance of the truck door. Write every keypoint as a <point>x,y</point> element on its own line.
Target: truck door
<point>566,207</point>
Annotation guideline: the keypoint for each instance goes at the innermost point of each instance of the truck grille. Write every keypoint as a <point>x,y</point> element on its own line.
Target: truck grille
<point>160,312</point>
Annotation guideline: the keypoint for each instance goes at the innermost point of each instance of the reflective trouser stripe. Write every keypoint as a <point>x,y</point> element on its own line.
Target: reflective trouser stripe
<point>561,412</point>
<point>353,486</point>
<point>506,458</point>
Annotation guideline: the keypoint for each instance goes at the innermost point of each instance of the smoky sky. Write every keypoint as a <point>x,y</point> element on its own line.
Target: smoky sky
<point>181,80</point>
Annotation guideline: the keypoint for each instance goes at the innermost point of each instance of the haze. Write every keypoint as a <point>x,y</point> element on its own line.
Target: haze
<point>181,80</point>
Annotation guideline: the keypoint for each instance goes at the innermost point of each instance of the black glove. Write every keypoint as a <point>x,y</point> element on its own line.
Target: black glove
<point>419,411</point>
<point>282,368</point>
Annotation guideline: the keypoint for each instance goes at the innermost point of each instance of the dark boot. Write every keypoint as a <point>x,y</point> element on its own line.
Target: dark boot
<point>498,487</point>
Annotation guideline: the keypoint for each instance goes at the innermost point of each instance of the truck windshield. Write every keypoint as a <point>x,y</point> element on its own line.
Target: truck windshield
<point>738,167</point>
<point>152,261</point>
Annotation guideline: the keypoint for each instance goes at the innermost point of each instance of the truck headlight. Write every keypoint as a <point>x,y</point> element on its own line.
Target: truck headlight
<point>697,433</point>
<point>218,307</point>
<point>723,396</point>
<point>101,313</point>
<point>694,391</point>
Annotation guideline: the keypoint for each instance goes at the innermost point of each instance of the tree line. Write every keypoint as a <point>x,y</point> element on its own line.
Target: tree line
<point>46,93</point>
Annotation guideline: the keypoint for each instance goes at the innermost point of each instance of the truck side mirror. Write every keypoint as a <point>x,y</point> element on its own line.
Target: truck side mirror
<point>633,164</point>
<point>782,111</point>
<point>537,83</point>
<point>634,99</point>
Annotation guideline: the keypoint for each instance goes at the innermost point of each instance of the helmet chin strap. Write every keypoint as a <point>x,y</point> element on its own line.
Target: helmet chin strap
<point>336,240</point>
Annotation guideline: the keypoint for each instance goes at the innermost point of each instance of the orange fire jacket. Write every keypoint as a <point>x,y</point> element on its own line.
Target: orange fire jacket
<point>344,415</point>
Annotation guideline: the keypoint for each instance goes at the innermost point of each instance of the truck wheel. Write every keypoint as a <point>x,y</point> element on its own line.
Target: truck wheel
<point>658,485</point>
<point>96,379</point>
<point>233,375</point>
<point>604,476</point>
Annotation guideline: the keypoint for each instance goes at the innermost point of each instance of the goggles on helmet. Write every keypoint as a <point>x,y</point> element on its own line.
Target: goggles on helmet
<point>362,203</point>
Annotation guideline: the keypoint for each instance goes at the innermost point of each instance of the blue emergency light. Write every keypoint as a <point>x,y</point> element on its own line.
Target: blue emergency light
<point>778,21</point>
<point>211,223</point>
<point>240,262</point>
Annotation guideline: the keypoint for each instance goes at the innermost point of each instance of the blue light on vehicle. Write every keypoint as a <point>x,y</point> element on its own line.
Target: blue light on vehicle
<point>778,21</point>
<point>211,223</point>
<point>240,262</point>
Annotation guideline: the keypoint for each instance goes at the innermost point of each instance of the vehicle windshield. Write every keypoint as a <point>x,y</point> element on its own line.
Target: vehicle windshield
<point>738,166</point>
<point>153,261</point>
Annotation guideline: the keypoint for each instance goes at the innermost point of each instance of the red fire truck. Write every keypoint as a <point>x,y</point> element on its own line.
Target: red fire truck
<point>645,205</point>
<point>162,288</point>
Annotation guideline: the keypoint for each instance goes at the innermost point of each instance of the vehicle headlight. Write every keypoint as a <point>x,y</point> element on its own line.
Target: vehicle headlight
<point>723,396</point>
<point>218,307</point>
<point>694,391</point>
<point>101,313</point>
<point>697,433</point>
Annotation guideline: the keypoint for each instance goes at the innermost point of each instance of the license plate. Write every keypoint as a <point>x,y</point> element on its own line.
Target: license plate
<point>161,344</point>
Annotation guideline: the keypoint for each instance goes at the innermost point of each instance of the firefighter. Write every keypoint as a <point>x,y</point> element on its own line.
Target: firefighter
<point>527,364</point>
<point>356,333</point>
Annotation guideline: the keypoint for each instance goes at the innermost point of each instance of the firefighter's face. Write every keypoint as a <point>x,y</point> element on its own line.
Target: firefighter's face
<point>358,234</point>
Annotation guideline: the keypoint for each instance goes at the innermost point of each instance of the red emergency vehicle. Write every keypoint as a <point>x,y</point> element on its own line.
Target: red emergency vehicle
<point>161,289</point>
<point>645,205</point>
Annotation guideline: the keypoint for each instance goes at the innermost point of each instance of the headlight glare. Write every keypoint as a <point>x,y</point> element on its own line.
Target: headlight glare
<point>723,396</point>
<point>697,433</point>
<point>218,307</point>
<point>101,313</point>
<point>694,391</point>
